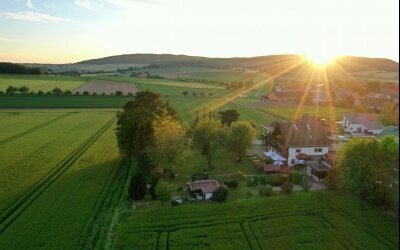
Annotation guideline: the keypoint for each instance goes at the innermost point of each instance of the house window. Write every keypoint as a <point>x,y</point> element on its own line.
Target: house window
<point>318,150</point>
<point>298,150</point>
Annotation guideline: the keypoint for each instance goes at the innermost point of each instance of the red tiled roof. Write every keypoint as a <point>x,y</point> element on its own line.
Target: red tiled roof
<point>207,186</point>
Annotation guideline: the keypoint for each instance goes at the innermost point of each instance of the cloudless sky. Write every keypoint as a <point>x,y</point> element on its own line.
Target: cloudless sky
<point>64,31</point>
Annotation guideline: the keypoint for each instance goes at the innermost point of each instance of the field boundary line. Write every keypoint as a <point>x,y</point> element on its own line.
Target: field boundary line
<point>104,204</point>
<point>10,214</point>
<point>232,220</point>
<point>365,227</point>
<point>334,231</point>
<point>257,110</point>
<point>31,130</point>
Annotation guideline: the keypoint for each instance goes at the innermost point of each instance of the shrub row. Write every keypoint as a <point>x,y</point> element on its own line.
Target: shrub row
<point>272,179</point>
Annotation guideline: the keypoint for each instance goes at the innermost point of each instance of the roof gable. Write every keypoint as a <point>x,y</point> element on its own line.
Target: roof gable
<point>298,134</point>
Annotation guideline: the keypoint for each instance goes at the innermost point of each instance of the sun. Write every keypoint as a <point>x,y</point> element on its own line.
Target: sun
<point>320,59</point>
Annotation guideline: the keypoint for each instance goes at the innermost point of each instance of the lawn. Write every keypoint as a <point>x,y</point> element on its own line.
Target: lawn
<point>43,83</point>
<point>302,220</point>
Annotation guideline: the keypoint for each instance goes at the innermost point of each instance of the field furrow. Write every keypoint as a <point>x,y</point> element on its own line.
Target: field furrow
<point>33,129</point>
<point>16,208</point>
<point>27,160</point>
<point>61,215</point>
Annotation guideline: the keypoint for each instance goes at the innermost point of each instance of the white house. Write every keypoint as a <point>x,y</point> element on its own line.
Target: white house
<point>292,139</point>
<point>357,123</point>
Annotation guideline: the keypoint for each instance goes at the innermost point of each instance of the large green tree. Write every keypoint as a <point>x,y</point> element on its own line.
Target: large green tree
<point>369,168</point>
<point>208,136</point>
<point>135,126</point>
<point>169,144</point>
<point>228,116</point>
<point>240,138</point>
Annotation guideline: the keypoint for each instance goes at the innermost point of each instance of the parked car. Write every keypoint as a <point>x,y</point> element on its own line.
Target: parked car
<point>343,138</point>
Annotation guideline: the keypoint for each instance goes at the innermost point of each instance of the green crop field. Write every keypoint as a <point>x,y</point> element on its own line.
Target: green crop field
<point>313,220</point>
<point>64,185</point>
<point>290,111</point>
<point>43,83</point>
<point>162,82</point>
<point>71,201</point>
<point>26,159</point>
<point>62,101</point>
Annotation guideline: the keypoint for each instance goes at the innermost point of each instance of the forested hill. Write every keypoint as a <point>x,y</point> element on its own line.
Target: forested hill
<point>264,63</point>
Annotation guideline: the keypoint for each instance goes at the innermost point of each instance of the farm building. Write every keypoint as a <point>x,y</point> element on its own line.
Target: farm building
<point>358,123</point>
<point>202,190</point>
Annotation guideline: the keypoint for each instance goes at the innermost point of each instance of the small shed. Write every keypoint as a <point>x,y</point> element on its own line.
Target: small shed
<point>202,189</point>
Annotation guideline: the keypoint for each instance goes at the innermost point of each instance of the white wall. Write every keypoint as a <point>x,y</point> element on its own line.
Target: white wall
<point>352,128</point>
<point>306,150</point>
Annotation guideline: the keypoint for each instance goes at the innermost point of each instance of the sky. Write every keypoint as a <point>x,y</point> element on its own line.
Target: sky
<point>68,31</point>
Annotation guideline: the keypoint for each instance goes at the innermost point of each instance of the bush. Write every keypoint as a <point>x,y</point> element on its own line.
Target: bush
<point>268,160</point>
<point>130,94</point>
<point>77,93</point>
<point>103,94</point>
<point>94,93</point>
<point>231,183</point>
<point>40,92</point>
<point>276,179</point>
<point>174,203</point>
<point>265,190</point>
<point>296,177</point>
<point>85,93</point>
<point>164,191</point>
<point>179,189</point>
<point>185,93</point>
<point>262,179</point>
<point>118,93</point>
<point>287,187</point>
<point>332,180</point>
<point>1,92</point>
<point>251,182</point>
<point>249,193</point>
<point>220,194</point>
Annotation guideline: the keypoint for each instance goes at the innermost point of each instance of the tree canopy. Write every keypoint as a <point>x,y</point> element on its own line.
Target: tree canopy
<point>135,126</point>
<point>208,135</point>
<point>369,168</point>
<point>228,116</point>
<point>241,137</point>
<point>169,144</point>
<point>389,114</point>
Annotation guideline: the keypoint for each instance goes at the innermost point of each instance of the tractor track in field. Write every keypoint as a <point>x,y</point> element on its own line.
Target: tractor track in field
<point>31,130</point>
<point>10,214</point>
<point>371,232</point>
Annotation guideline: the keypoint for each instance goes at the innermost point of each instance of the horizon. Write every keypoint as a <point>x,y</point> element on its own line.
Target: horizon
<point>188,55</point>
<point>50,32</point>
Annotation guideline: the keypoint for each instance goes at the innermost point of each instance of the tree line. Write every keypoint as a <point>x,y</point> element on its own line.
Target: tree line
<point>13,68</point>
<point>11,90</point>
